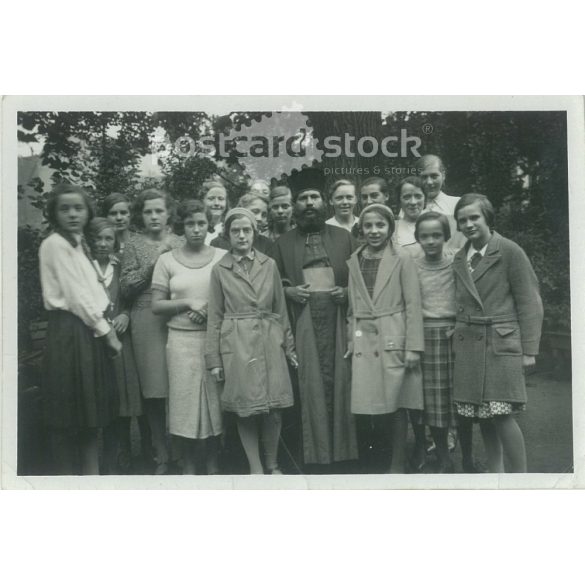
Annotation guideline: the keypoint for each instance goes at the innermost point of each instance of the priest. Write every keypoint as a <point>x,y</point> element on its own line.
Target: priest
<point>312,262</point>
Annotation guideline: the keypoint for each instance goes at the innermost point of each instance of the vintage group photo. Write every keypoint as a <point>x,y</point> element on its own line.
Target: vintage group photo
<point>293,292</point>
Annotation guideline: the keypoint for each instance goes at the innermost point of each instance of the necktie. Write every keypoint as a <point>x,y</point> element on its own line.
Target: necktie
<point>475,259</point>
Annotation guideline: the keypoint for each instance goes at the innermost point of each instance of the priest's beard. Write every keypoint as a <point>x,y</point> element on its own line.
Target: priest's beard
<point>310,222</point>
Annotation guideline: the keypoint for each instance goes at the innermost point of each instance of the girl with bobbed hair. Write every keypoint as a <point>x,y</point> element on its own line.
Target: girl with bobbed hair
<point>411,199</point>
<point>116,207</point>
<point>152,212</point>
<point>180,286</point>
<point>343,200</point>
<point>497,332</point>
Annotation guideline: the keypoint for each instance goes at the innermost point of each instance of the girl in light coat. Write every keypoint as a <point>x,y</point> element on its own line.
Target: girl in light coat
<point>385,332</point>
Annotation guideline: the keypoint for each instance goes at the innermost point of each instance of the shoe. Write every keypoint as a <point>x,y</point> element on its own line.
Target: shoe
<point>275,471</point>
<point>474,467</point>
<point>446,468</point>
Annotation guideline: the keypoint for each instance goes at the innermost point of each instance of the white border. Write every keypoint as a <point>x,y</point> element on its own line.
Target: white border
<point>225,104</point>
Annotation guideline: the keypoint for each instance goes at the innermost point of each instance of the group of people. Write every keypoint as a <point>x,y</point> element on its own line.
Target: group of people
<point>324,336</point>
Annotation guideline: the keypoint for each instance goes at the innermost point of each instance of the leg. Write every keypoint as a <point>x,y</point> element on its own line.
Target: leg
<point>64,452</point>
<point>124,460</point>
<point>146,449</point>
<point>465,430</point>
<point>419,457</point>
<point>364,430</point>
<point>512,441</point>
<point>188,455</point>
<point>271,426</point>
<point>88,442</point>
<point>212,455</point>
<point>248,431</point>
<point>441,438</point>
<point>399,430</point>
<point>493,446</point>
<point>155,413</point>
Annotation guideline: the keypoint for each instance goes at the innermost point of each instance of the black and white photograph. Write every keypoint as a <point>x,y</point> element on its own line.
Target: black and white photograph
<point>290,292</point>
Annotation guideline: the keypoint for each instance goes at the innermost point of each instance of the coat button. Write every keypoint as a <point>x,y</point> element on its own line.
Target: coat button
<point>256,327</point>
<point>254,304</point>
<point>461,337</point>
<point>376,354</point>
<point>358,354</point>
<point>461,309</point>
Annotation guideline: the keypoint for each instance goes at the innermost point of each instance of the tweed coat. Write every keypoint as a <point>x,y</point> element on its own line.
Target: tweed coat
<point>499,318</point>
<point>381,328</point>
<point>248,333</point>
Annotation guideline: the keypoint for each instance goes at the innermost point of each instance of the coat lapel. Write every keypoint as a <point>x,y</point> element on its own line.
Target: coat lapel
<point>387,266</point>
<point>257,266</point>
<point>356,274</point>
<point>460,268</point>
<point>491,257</point>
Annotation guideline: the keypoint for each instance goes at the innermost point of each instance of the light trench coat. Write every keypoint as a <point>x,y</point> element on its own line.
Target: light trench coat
<point>248,334</point>
<point>381,328</point>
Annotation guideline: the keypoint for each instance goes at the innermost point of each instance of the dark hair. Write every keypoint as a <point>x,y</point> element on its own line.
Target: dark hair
<point>337,184</point>
<point>187,208</point>
<point>50,212</point>
<point>149,195</point>
<point>430,216</point>
<point>412,180</point>
<point>228,223</point>
<point>485,205</point>
<point>383,211</point>
<point>422,162</point>
<point>380,181</point>
<point>98,225</point>
<point>113,199</point>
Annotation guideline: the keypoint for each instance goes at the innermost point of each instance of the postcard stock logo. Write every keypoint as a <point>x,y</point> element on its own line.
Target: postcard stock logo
<point>284,141</point>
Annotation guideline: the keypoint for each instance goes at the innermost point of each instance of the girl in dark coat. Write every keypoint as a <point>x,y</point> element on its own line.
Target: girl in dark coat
<point>499,318</point>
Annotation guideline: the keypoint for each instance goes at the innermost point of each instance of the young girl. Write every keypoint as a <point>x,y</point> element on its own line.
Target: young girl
<point>386,332</point>
<point>80,387</point>
<point>499,319</point>
<point>411,198</point>
<point>180,292</point>
<point>438,306</point>
<point>214,196</point>
<point>343,200</point>
<point>116,207</point>
<point>152,212</point>
<point>249,340</point>
<point>103,240</point>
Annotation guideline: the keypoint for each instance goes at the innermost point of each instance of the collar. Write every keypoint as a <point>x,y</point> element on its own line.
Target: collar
<point>472,251</point>
<point>238,257</point>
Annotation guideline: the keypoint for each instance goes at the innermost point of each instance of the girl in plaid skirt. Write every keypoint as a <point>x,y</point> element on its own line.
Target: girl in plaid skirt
<point>438,306</point>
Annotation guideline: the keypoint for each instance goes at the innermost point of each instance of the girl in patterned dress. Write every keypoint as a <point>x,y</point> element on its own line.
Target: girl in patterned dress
<point>152,212</point>
<point>499,319</point>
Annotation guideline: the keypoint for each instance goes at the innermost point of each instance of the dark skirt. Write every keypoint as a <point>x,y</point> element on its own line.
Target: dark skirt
<point>79,383</point>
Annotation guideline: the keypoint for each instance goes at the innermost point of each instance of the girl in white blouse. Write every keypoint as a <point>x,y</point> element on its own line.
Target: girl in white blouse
<point>79,384</point>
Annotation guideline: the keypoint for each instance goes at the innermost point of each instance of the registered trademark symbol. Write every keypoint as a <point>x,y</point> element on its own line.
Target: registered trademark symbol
<point>427,128</point>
